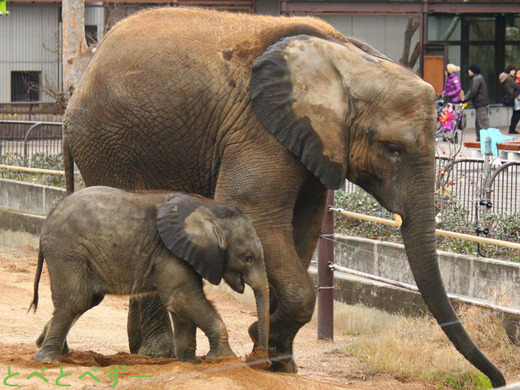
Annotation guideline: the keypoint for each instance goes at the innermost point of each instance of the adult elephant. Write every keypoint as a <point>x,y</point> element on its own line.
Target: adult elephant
<point>264,114</point>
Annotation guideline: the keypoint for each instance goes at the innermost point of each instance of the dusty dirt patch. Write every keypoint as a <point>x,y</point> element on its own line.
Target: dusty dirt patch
<point>98,343</point>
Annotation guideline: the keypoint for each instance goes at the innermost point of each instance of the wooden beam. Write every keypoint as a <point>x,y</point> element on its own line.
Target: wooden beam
<point>394,7</point>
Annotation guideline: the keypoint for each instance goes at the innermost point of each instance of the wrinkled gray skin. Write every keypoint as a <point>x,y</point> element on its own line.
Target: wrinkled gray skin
<point>265,114</point>
<point>103,240</point>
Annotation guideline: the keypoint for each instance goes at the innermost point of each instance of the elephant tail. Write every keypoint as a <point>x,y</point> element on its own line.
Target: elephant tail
<point>68,161</point>
<point>39,269</point>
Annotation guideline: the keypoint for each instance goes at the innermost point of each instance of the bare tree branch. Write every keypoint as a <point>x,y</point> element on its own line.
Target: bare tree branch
<point>415,55</point>
<point>411,28</point>
<point>451,28</point>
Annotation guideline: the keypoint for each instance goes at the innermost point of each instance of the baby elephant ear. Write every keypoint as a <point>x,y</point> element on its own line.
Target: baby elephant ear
<point>187,227</point>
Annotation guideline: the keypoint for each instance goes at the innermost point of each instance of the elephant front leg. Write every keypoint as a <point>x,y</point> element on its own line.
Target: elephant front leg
<point>192,310</point>
<point>185,340</point>
<point>295,298</point>
<point>156,329</point>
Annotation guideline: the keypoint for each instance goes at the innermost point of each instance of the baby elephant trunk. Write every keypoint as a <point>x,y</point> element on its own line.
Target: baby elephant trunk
<point>260,286</point>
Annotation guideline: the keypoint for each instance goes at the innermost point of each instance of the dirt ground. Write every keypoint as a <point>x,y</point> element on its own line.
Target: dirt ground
<point>98,343</point>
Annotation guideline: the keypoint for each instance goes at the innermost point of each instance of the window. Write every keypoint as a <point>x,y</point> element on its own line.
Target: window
<point>491,41</point>
<point>25,86</point>
<point>91,35</point>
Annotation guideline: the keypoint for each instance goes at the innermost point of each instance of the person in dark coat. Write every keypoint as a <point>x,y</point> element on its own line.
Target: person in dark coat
<point>452,86</point>
<point>511,91</point>
<point>478,94</point>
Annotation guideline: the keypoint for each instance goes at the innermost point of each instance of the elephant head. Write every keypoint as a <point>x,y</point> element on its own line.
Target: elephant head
<point>347,112</point>
<point>219,242</point>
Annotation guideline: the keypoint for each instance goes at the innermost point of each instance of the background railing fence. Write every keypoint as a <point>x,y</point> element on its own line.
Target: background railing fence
<point>22,142</point>
<point>461,182</point>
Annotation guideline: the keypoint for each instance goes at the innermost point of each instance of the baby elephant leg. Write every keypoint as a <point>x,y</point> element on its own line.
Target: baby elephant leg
<point>149,327</point>
<point>195,308</point>
<point>41,338</point>
<point>185,341</point>
<point>54,339</point>
<point>67,309</point>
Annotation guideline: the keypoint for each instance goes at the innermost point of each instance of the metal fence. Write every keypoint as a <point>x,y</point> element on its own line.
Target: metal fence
<point>465,182</point>
<point>23,140</point>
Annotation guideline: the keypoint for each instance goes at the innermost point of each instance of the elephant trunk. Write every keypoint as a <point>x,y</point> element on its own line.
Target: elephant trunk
<point>418,232</point>
<point>260,288</point>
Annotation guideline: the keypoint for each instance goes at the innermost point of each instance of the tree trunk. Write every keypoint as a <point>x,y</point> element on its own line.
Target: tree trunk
<point>411,28</point>
<point>75,49</point>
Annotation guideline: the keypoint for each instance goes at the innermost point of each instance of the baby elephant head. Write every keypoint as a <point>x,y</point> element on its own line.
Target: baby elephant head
<point>219,242</point>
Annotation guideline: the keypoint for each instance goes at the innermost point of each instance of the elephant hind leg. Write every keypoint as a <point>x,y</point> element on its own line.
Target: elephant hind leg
<point>53,339</point>
<point>41,338</point>
<point>133,327</point>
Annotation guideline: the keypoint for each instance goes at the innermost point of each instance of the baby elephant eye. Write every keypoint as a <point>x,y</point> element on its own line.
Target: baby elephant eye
<point>248,258</point>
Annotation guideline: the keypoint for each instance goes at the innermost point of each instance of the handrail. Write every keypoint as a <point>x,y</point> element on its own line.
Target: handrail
<point>32,170</point>
<point>397,222</point>
<point>440,232</point>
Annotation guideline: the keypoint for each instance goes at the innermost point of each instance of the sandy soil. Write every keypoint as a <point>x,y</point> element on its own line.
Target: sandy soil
<point>98,344</point>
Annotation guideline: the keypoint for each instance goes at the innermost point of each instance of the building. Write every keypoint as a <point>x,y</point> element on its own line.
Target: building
<point>425,34</point>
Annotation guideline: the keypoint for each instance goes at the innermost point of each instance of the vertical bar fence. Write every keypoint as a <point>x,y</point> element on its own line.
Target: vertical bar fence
<point>29,143</point>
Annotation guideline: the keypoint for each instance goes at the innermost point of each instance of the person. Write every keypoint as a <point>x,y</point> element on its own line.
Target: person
<point>478,94</point>
<point>452,86</point>
<point>511,92</point>
<point>518,76</point>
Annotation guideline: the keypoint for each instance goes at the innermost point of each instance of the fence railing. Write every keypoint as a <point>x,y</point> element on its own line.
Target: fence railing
<point>25,139</point>
<point>467,183</point>
<point>464,180</point>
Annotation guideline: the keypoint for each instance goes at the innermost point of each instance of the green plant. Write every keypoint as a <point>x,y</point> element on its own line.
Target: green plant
<point>451,216</point>
<point>37,160</point>
<point>360,202</point>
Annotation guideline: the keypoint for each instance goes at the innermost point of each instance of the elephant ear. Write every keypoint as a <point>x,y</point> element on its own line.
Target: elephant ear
<point>187,226</point>
<point>299,93</point>
<point>368,49</point>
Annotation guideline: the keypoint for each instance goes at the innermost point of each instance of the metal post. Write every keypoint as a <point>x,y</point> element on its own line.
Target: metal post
<point>325,285</point>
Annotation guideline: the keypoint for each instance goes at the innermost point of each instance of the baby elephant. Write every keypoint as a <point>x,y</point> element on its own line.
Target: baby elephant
<point>103,240</point>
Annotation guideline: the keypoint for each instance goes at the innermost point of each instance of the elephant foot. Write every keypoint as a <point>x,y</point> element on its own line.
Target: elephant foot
<point>46,356</point>
<point>188,358</point>
<point>280,354</point>
<point>158,347</point>
<point>287,366</point>
<point>220,351</point>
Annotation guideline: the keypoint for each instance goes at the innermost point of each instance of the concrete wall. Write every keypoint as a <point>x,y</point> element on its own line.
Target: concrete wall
<point>26,205</point>
<point>492,280</point>
<point>20,230</point>
<point>29,198</point>
<point>23,208</point>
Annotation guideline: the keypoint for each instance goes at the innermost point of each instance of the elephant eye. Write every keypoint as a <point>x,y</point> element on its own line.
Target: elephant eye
<point>248,258</point>
<point>394,150</point>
